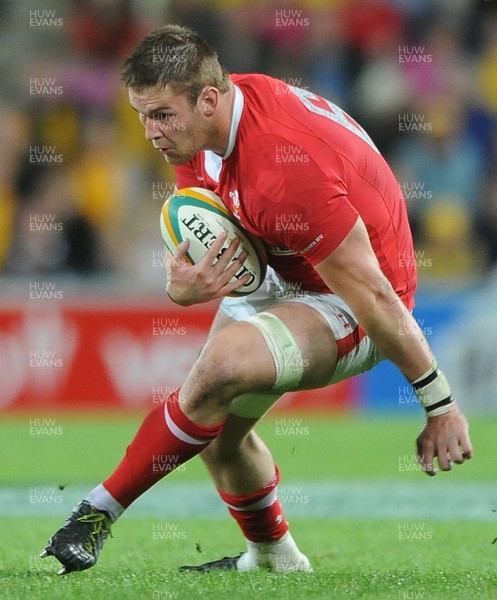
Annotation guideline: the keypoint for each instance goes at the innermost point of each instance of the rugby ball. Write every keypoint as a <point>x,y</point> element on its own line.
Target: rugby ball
<point>200,215</point>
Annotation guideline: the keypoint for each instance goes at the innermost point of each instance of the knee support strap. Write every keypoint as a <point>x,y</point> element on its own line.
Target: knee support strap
<point>286,354</point>
<point>288,361</point>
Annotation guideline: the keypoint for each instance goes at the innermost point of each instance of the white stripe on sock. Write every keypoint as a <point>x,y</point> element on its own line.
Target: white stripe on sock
<point>264,502</point>
<point>177,432</point>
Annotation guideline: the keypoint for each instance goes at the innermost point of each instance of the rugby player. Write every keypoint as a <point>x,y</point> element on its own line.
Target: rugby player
<point>231,134</point>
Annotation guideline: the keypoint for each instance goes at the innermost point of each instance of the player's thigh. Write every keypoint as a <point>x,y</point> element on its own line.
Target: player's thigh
<point>221,320</point>
<point>240,358</point>
<point>234,361</point>
<point>237,308</point>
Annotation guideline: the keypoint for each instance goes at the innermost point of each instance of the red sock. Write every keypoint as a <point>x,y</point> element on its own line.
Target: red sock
<point>259,514</point>
<point>165,440</point>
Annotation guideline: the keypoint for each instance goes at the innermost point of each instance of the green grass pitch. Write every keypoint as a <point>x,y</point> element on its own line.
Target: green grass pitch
<point>358,556</point>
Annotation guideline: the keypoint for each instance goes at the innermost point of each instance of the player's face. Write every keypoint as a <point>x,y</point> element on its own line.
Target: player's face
<point>175,128</point>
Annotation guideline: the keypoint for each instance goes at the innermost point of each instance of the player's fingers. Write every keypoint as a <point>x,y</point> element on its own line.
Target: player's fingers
<point>443,457</point>
<point>428,467</point>
<point>467,448</point>
<point>181,251</point>
<point>176,260</point>
<point>455,452</point>
<point>426,456</point>
<point>224,260</point>
<point>211,255</point>
<point>235,285</point>
<point>167,262</point>
<point>229,273</point>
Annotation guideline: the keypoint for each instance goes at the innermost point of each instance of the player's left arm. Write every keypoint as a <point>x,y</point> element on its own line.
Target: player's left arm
<point>352,271</point>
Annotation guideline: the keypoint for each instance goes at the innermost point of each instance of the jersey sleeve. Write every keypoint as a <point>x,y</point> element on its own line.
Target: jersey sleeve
<point>185,175</point>
<point>300,205</point>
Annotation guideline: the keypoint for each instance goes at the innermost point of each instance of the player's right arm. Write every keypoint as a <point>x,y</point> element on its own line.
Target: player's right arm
<point>352,271</point>
<point>209,279</point>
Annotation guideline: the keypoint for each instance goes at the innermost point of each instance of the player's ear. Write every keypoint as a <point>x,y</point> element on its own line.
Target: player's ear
<point>208,100</point>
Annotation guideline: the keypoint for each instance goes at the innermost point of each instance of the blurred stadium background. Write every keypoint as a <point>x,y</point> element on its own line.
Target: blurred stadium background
<point>83,316</point>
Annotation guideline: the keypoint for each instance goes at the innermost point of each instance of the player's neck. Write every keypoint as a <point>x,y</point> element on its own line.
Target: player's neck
<point>219,140</point>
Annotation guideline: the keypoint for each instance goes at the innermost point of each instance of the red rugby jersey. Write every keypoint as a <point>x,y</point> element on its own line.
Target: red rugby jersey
<point>297,172</point>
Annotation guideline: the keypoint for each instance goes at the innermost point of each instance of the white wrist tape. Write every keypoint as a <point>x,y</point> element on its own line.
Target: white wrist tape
<point>433,392</point>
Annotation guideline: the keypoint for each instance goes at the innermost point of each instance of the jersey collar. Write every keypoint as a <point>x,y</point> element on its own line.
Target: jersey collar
<point>235,120</point>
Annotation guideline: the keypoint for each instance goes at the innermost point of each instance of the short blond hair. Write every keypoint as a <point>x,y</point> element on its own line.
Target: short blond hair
<point>177,56</point>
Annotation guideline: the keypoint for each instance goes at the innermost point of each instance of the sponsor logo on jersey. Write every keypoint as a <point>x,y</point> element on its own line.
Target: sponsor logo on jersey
<point>313,243</point>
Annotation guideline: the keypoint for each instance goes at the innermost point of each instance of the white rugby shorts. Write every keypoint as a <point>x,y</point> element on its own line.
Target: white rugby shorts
<point>356,352</point>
